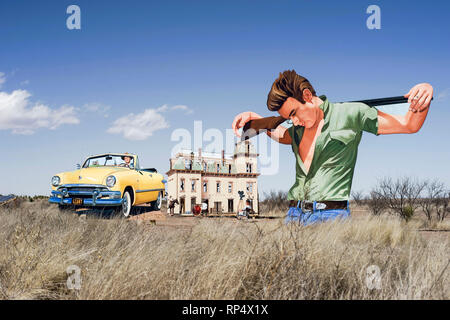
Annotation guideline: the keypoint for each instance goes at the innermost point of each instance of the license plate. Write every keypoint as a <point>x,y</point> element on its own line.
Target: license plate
<point>77,201</point>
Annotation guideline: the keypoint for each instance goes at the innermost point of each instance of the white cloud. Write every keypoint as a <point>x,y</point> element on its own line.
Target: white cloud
<point>163,108</point>
<point>444,94</point>
<point>21,117</point>
<point>183,108</point>
<point>97,108</point>
<point>140,126</point>
<point>2,78</point>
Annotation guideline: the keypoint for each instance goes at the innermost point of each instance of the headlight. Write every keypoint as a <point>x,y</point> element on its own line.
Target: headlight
<point>110,181</point>
<point>56,181</point>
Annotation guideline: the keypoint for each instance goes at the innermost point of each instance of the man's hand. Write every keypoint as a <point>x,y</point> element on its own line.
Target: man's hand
<point>241,119</point>
<point>419,97</point>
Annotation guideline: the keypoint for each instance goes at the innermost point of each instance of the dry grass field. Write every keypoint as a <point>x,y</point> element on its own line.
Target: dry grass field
<point>206,258</point>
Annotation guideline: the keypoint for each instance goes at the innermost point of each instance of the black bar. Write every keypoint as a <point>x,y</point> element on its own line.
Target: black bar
<point>225,309</point>
<point>384,101</point>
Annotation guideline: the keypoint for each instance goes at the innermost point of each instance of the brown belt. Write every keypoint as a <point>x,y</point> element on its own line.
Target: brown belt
<point>329,205</point>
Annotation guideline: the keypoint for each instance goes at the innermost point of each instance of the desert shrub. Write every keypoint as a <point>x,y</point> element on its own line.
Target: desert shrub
<point>376,202</point>
<point>435,199</point>
<point>441,206</point>
<point>402,195</point>
<point>274,201</point>
<point>358,197</point>
<point>408,212</point>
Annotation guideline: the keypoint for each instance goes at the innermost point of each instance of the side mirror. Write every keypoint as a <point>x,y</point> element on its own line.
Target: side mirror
<point>78,166</point>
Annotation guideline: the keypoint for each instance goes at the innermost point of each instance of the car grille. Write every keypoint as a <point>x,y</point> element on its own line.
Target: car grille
<point>79,191</point>
<point>86,189</point>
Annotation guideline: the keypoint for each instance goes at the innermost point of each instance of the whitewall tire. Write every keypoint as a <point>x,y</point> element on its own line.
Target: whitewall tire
<point>125,209</point>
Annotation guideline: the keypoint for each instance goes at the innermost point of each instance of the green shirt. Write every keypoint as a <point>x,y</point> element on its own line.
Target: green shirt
<point>331,172</point>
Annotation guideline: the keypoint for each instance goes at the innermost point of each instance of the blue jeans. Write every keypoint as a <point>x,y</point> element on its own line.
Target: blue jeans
<point>295,214</point>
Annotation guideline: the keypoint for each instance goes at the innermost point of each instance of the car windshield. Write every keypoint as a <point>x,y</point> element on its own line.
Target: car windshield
<point>110,161</point>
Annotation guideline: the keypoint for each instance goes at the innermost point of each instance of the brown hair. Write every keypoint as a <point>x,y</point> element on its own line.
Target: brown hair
<point>288,84</point>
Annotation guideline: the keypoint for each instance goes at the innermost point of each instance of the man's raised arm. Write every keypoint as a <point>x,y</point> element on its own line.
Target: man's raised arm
<point>280,134</point>
<point>419,98</point>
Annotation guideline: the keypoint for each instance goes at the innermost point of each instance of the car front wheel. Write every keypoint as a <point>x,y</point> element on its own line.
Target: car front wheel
<point>125,209</point>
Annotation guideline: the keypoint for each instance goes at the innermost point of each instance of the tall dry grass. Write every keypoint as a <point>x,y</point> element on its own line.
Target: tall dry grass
<point>216,259</point>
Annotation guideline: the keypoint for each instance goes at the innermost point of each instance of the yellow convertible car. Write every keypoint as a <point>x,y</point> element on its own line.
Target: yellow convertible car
<point>113,179</point>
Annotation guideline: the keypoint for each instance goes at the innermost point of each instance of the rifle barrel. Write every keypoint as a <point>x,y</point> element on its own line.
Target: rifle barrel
<point>383,101</point>
<point>268,123</point>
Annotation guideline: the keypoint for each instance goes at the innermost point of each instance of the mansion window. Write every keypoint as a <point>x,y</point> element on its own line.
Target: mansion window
<point>188,164</point>
<point>182,185</point>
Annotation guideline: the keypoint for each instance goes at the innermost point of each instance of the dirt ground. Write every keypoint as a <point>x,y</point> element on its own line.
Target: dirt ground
<point>143,214</point>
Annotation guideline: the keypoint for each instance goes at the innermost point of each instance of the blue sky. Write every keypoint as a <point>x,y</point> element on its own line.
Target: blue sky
<point>208,60</point>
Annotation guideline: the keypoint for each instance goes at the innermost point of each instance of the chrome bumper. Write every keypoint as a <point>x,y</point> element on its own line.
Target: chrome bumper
<point>92,195</point>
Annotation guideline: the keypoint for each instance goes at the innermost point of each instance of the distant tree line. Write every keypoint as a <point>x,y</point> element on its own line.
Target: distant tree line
<point>31,198</point>
<point>405,196</point>
<point>274,201</point>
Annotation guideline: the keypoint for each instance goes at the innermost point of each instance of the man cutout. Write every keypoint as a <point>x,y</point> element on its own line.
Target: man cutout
<point>325,137</point>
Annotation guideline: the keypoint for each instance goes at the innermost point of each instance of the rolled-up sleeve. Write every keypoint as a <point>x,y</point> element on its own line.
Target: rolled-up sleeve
<point>367,118</point>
